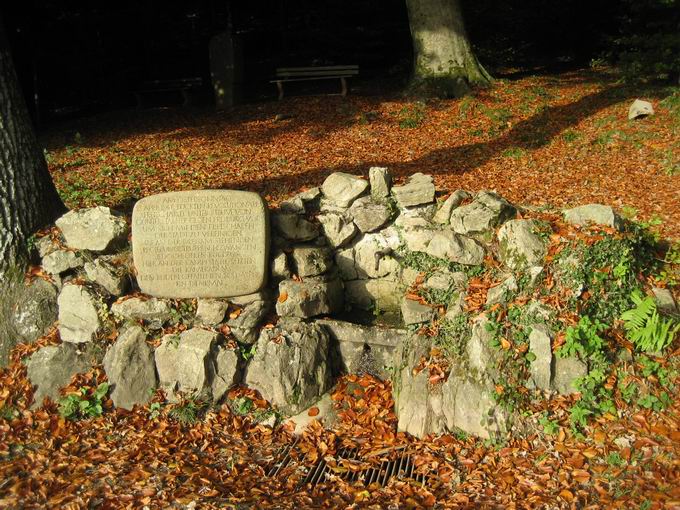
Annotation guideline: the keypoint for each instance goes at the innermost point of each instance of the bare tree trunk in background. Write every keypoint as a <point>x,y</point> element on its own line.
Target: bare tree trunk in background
<point>28,198</point>
<point>444,63</point>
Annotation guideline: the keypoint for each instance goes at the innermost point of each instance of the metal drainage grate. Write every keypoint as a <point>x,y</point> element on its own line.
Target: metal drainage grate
<point>401,468</point>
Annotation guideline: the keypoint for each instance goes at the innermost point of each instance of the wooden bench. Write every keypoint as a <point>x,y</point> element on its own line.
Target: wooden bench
<point>284,74</point>
<point>183,85</point>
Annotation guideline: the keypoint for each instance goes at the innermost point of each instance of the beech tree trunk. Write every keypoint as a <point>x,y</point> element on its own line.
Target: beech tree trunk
<point>28,198</point>
<point>444,63</point>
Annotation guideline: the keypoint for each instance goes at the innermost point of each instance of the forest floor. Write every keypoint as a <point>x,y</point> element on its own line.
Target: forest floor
<point>558,140</point>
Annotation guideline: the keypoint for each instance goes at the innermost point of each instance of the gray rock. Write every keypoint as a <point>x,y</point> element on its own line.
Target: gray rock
<point>95,229</point>
<point>250,316</point>
<point>246,299</point>
<point>445,279</point>
<point>45,245</point>
<point>502,293</point>
<point>154,312</point>
<point>456,307</point>
<point>34,310</point>
<point>418,237</point>
<point>291,367</point>
<point>565,373</point>
<point>325,414</point>
<point>374,294</point>
<point>81,313</point>
<point>381,181</point>
<point>364,349</point>
<point>211,312</point>
<point>185,362</point>
<point>540,342</point>
<point>480,355</point>
<point>294,227</point>
<point>443,214</point>
<point>415,313</point>
<point>294,205</point>
<point>457,248</point>
<point>311,260</point>
<point>279,266</point>
<point>417,191</point>
<point>665,302</point>
<point>342,189</point>
<point>227,372</point>
<point>337,228</point>
<point>51,368</point>
<point>60,261</point>
<point>369,215</point>
<point>520,247</point>
<point>593,213</point>
<point>129,366</point>
<point>486,212</point>
<point>113,278</point>
<point>309,298</point>
<point>372,255</point>
<point>639,109</point>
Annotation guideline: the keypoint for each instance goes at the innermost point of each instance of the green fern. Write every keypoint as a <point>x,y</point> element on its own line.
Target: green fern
<point>645,327</point>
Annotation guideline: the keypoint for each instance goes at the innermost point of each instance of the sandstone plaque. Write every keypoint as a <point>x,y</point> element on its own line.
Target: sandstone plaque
<point>209,243</point>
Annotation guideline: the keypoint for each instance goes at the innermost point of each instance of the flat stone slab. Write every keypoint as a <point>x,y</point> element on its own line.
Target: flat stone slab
<point>208,243</point>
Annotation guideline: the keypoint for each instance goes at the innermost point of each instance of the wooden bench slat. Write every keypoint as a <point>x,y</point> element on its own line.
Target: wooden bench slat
<point>310,78</point>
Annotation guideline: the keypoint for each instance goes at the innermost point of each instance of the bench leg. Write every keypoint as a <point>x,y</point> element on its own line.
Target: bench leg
<point>343,81</point>
<point>279,85</point>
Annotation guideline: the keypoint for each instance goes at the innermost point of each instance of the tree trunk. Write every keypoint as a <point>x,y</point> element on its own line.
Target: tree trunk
<point>444,63</point>
<point>28,198</point>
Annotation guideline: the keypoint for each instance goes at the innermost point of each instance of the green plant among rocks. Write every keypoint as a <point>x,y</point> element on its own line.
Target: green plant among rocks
<point>84,404</point>
<point>188,411</point>
<point>649,331</point>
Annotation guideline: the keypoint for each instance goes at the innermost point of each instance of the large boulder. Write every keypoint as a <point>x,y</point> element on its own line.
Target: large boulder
<point>418,190</point>
<point>593,213</point>
<point>95,229</point>
<point>129,366</point>
<point>154,312</point>
<point>309,298</point>
<point>486,212</point>
<point>185,362</point>
<point>520,246</point>
<point>51,368</point>
<point>342,189</point>
<point>453,247</point>
<point>81,313</point>
<point>291,367</point>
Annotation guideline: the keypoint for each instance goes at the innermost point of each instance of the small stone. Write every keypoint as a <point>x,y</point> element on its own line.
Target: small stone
<point>567,370</point>
<point>457,248</point>
<point>381,181</point>
<point>210,312</point>
<point>250,315</point>
<point>294,227</point>
<point>478,350</point>
<point>369,215</point>
<point>227,372</point>
<point>540,341</point>
<point>80,314</point>
<point>184,362</point>
<point>342,189</point>
<point>129,366</point>
<point>60,261</point>
<point>337,228</point>
<point>309,298</point>
<point>593,213</point>
<point>520,247</point>
<point>94,229</point>
<point>443,214</point>
<point>154,312</point>
<point>486,212</point>
<point>639,109</point>
<point>665,302</point>
<point>417,191</point>
<point>279,266</point>
<point>414,312</point>
<point>311,260</point>
<point>324,412</point>
<point>114,279</point>
<point>502,293</point>
<point>50,368</point>
<point>45,245</point>
<point>446,280</point>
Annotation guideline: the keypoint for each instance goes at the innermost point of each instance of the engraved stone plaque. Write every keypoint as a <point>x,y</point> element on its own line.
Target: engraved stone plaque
<point>209,243</point>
